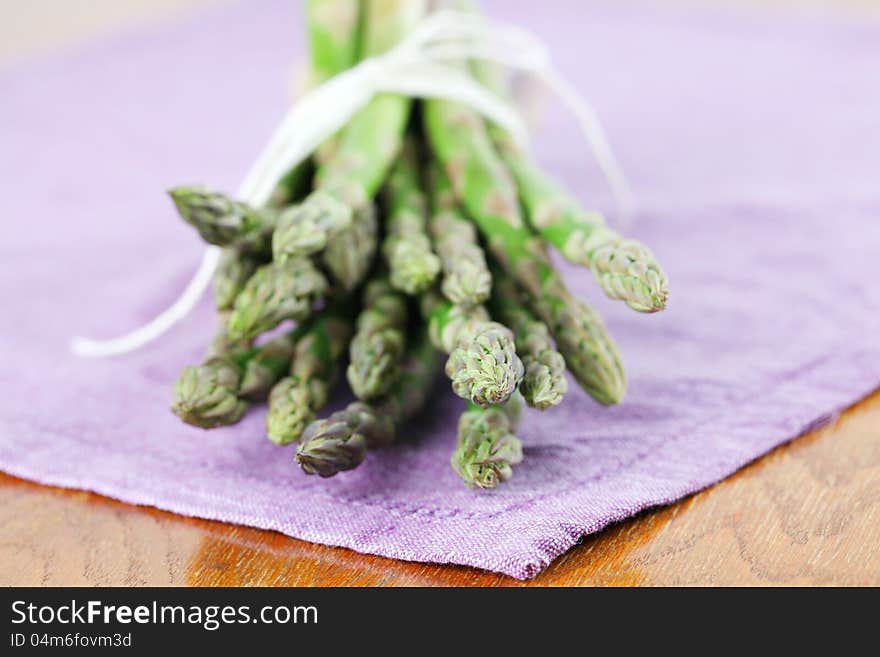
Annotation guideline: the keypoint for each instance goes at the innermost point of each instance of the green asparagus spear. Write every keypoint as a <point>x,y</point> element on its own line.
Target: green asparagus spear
<point>218,391</point>
<point>295,399</point>
<point>233,271</point>
<point>340,442</point>
<point>407,247</point>
<point>276,292</point>
<point>364,151</point>
<point>350,255</point>
<point>333,27</point>
<point>334,45</point>
<point>379,342</point>
<point>484,187</point>
<point>487,446</point>
<point>625,269</point>
<point>466,277</point>
<point>223,221</point>
<point>544,383</point>
<point>483,364</point>
<point>207,395</point>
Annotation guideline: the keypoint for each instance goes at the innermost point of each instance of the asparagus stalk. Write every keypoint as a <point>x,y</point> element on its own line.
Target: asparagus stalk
<point>461,142</point>
<point>334,45</point>
<point>487,447</point>
<point>364,151</point>
<point>407,247</point>
<point>340,442</point>
<point>333,27</point>
<point>466,277</point>
<point>379,341</point>
<point>219,391</point>
<point>625,269</point>
<point>483,364</point>
<point>296,398</point>
<point>223,221</point>
<point>544,384</point>
<point>276,292</point>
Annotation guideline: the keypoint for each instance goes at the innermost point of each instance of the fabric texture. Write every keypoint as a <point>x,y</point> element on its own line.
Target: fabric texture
<point>753,145</point>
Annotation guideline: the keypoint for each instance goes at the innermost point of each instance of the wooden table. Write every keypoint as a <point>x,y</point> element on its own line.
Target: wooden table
<point>808,513</point>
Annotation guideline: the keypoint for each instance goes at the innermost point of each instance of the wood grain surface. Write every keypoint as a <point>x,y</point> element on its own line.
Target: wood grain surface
<point>808,513</point>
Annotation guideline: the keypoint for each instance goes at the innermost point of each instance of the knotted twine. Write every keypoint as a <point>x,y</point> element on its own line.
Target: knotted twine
<point>425,64</point>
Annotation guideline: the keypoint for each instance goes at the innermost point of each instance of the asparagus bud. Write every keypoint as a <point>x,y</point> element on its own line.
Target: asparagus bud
<point>544,384</point>
<point>233,272</point>
<point>483,364</point>
<point>221,220</point>
<point>295,399</point>
<point>306,228</point>
<point>350,254</point>
<point>487,447</point>
<point>218,391</point>
<point>379,342</point>
<point>341,441</point>
<point>292,405</point>
<point>207,395</point>
<point>466,277</point>
<point>407,247</point>
<point>276,292</point>
<point>627,270</point>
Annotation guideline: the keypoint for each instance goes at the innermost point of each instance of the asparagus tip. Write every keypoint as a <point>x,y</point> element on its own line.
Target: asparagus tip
<point>206,396</point>
<point>306,228</point>
<point>543,387</point>
<point>329,447</point>
<point>274,293</point>
<point>487,448</point>
<point>485,368</point>
<point>290,411</point>
<point>375,363</point>
<point>627,270</point>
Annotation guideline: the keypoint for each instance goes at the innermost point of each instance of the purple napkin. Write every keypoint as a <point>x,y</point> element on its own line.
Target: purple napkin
<point>753,145</point>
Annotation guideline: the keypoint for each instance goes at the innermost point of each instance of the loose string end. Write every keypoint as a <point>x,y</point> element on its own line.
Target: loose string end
<point>88,348</point>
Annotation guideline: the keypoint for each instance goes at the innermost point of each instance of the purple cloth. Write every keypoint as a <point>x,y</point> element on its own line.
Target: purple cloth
<point>753,146</point>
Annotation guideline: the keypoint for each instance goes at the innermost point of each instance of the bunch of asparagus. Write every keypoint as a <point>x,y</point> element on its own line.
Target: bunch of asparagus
<point>417,228</point>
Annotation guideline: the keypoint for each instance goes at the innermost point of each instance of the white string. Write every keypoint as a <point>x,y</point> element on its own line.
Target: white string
<point>423,65</point>
<point>168,318</point>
